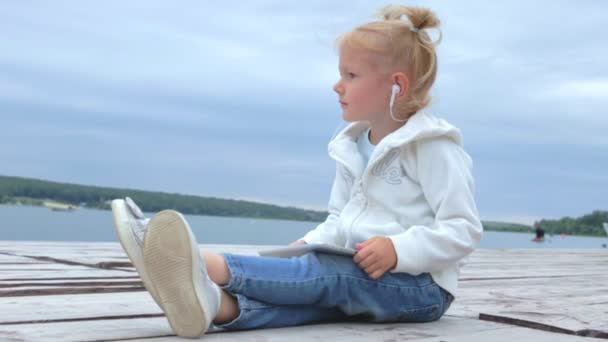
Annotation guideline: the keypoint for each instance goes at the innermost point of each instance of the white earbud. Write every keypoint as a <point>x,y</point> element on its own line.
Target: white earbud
<point>396,89</point>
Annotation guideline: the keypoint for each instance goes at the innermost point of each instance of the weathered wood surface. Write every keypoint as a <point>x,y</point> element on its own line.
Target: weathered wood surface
<point>142,329</point>
<point>562,288</point>
<point>89,291</point>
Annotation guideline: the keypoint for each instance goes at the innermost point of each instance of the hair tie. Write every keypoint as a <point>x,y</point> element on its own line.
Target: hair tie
<point>416,29</point>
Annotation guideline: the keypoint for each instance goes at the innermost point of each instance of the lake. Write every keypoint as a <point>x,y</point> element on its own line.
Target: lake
<point>42,224</point>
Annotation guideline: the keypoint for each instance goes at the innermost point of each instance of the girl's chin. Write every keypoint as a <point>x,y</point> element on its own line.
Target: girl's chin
<point>349,118</point>
<point>346,118</point>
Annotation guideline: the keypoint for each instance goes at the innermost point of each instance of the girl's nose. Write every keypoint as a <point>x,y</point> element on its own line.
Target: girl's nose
<point>338,88</point>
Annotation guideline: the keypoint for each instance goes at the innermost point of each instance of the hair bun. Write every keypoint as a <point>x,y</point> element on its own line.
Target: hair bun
<point>420,17</point>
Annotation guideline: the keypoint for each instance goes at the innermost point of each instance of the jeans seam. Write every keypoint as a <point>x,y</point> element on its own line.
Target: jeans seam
<point>239,276</point>
<point>241,316</point>
<point>345,276</point>
<point>245,303</point>
<point>236,282</point>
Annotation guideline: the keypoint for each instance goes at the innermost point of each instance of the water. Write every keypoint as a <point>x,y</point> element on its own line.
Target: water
<point>42,224</point>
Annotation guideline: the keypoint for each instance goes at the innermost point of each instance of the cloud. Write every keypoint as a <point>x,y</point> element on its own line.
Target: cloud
<point>596,89</point>
<point>236,101</point>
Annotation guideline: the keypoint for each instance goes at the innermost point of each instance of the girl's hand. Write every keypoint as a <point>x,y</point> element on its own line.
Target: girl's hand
<point>297,243</point>
<point>376,256</point>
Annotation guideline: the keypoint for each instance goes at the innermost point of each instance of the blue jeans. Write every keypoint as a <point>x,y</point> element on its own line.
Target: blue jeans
<point>316,287</point>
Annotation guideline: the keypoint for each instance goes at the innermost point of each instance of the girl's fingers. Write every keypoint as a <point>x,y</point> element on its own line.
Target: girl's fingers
<point>363,244</point>
<point>362,255</point>
<point>370,260</point>
<point>371,269</point>
<point>377,274</point>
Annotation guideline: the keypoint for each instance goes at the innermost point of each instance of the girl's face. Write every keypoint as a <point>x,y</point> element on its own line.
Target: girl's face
<point>364,92</point>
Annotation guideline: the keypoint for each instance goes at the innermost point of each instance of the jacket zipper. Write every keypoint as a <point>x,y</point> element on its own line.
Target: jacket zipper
<point>341,161</point>
<point>365,197</point>
<point>350,231</point>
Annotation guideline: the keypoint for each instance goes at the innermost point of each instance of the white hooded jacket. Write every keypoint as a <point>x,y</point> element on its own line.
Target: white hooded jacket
<point>417,189</point>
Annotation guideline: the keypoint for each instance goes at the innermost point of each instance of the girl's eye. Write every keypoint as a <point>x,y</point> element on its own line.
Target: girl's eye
<point>351,75</point>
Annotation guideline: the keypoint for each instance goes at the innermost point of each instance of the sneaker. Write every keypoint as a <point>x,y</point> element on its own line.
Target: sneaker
<point>189,298</point>
<point>130,225</point>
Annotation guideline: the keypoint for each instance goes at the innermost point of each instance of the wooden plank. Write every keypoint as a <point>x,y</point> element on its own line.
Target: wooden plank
<point>450,329</point>
<point>534,263</point>
<point>51,270</point>
<point>121,329</point>
<point>33,279</point>
<point>572,303</point>
<point>54,282</point>
<point>108,255</point>
<point>66,290</point>
<point>544,327</point>
<point>75,307</point>
<point>92,330</point>
<point>95,255</point>
<point>104,262</point>
<point>509,335</point>
<point>48,278</point>
<point>565,289</point>
<point>63,273</point>
<point>103,248</point>
<point>17,260</point>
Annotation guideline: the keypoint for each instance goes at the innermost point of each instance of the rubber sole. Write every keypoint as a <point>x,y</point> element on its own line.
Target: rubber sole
<point>121,218</point>
<point>172,261</point>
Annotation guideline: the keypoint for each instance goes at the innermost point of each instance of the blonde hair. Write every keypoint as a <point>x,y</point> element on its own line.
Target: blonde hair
<point>406,46</point>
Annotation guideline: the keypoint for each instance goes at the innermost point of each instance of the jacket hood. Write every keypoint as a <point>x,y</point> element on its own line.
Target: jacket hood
<point>420,126</point>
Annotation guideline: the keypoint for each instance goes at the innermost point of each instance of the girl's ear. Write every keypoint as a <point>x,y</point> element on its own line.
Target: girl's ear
<point>403,81</point>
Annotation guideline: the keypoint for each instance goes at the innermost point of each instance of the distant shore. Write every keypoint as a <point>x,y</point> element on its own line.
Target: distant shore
<point>58,206</point>
<point>66,196</point>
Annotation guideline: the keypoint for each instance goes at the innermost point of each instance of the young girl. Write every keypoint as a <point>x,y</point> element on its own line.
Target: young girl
<point>402,197</point>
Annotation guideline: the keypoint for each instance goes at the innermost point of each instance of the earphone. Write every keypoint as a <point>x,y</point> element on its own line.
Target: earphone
<point>395,90</point>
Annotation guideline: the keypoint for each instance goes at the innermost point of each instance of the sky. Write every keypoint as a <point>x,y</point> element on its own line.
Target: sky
<point>235,100</point>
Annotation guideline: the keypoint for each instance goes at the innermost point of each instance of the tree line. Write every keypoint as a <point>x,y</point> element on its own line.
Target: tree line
<point>34,191</point>
<point>590,224</point>
<point>31,190</point>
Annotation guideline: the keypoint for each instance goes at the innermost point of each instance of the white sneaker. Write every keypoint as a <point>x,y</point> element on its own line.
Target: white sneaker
<point>130,225</point>
<point>189,298</point>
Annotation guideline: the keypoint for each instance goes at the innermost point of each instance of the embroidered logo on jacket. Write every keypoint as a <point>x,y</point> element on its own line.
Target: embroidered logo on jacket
<point>391,174</point>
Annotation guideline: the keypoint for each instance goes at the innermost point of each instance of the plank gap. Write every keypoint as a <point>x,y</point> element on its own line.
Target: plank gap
<point>100,265</point>
<point>89,283</point>
<point>69,278</point>
<point>98,318</point>
<point>65,291</point>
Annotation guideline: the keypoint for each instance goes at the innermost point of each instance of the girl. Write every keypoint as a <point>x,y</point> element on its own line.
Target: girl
<point>402,197</point>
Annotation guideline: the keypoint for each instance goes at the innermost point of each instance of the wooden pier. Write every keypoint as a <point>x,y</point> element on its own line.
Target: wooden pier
<point>53,291</point>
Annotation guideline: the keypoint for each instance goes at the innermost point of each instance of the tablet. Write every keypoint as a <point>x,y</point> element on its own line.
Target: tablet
<point>294,251</point>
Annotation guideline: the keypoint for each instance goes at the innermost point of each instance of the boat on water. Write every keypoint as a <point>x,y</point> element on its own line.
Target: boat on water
<point>55,206</point>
